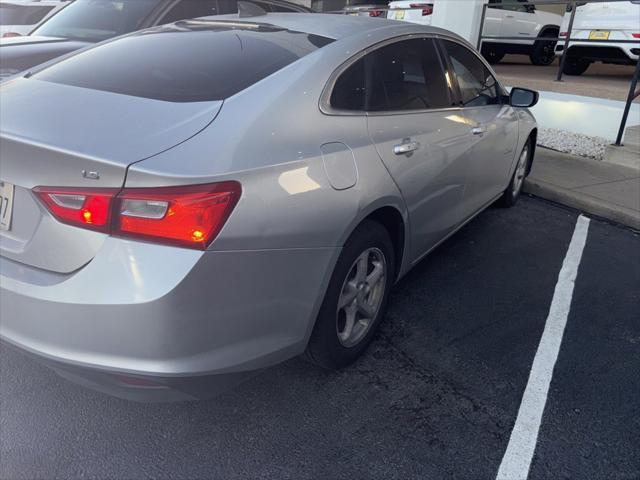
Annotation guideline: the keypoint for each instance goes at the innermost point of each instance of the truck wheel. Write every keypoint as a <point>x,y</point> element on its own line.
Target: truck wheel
<point>493,55</point>
<point>544,53</point>
<point>575,66</point>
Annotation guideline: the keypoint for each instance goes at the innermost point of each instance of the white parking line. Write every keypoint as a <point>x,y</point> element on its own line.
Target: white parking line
<point>522,443</point>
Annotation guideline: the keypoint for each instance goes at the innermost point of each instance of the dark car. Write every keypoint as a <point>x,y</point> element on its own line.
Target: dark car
<point>85,22</point>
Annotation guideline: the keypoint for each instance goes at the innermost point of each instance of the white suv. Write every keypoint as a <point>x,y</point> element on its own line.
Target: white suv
<point>504,20</point>
<point>601,21</point>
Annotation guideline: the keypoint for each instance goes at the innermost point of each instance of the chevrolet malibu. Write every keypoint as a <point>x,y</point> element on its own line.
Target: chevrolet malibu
<point>189,204</point>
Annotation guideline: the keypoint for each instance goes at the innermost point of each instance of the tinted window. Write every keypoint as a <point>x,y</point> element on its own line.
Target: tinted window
<point>97,20</point>
<point>184,62</point>
<point>11,14</point>
<point>191,9</point>
<point>405,75</point>
<point>477,85</point>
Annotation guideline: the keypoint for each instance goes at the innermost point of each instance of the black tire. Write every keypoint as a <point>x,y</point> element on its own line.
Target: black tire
<point>493,55</point>
<point>325,348</point>
<point>575,66</point>
<point>544,53</point>
<point>511,195</point>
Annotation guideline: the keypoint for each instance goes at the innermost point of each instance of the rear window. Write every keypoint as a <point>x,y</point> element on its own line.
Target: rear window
<point>22,14</point>
<point>186,61</point>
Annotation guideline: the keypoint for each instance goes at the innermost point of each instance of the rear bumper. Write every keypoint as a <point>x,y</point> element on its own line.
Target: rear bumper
<point>622,53</point>
<point>151,322</point>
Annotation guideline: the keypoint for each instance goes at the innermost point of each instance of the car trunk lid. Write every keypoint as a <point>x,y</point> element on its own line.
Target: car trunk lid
<point>42,145</point>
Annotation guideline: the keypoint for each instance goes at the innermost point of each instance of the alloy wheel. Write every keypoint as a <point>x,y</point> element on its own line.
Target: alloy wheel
<point>521,170</point>
<point>361,297</point>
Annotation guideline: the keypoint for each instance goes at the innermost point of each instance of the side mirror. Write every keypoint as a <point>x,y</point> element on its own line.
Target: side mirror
<point>523,97</point>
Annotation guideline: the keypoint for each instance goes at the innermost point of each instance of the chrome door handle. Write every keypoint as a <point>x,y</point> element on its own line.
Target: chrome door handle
<point>406,147</point>
<point>478,130</point>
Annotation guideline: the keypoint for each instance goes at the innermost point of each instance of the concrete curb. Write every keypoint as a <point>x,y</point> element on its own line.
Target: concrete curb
<point>584,202</point>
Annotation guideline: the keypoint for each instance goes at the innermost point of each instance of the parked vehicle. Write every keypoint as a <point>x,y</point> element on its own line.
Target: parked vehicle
<point>601,21</point>
<point>203,199</point>
<point>505,19</point>
<point>367,9</point>
<point>19,17</point>
<point>85,22</point>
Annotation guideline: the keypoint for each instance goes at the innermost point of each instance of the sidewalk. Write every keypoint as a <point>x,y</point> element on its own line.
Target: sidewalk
<point>599,188</point>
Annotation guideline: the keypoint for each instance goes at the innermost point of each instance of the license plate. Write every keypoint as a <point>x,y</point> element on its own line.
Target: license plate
<point>599,35</point>
<point>399,15</point>
<point>6,205</point>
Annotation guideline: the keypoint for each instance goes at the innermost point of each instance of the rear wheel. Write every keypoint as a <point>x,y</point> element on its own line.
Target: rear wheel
<point>356,298</point>
<point>575,66</point>
<point>512,193</point>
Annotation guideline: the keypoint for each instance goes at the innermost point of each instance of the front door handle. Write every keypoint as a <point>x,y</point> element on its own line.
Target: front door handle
<point>406,147</point>
<point>479,130</point>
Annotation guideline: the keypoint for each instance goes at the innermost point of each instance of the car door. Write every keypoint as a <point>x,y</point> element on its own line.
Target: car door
<point>493,18</point>
<point>518,21</point>
<point>494,125</point>
<point>419,133</point>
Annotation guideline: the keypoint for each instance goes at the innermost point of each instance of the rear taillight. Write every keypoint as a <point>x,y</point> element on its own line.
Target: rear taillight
<point>427,8</point>
<point>79,207</point>
<point>189,216</point>
<point>376,13</point>
<point>635,35</point>
<point>563,34</point>
<point>11,34</point>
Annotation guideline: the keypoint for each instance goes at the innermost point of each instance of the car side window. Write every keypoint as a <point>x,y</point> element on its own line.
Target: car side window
<point>514,7</point>
<point>404,75</point>
<point>478,86</point>
<point>186,9</point>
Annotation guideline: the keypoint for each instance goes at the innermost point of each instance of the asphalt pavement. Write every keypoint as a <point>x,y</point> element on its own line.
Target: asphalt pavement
<point>436,396</point>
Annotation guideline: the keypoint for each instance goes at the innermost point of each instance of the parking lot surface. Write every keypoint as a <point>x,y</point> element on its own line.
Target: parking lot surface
<point>436,395</point>
<point>599,81</point>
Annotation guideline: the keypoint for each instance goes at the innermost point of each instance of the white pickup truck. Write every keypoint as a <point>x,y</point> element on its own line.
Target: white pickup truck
<point>504,19</point>
<point>601,21</point>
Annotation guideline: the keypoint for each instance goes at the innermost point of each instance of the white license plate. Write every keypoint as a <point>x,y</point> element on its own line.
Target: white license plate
<point>6,205</point>
<point>400,15</point>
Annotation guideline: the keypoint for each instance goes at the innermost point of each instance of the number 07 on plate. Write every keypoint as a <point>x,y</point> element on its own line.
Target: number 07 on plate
<point>6,205</point>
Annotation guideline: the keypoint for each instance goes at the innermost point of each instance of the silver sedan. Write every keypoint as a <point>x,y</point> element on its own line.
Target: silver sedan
<point>186,205</point>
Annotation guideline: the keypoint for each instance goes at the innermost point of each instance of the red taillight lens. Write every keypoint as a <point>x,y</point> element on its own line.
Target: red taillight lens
<point>563,34</point>
<point>635,35</point>
<point>427,8</point>
<point>11,34</point>
<point>79,207</point>
<point>189,216</point>
<point>376,13</point>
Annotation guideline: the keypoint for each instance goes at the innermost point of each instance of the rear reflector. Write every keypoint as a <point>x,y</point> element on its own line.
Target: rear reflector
<point>189,216</point>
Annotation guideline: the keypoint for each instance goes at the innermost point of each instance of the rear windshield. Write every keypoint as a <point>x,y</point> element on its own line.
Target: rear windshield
<point>186,61</point>
<point>22,14</point>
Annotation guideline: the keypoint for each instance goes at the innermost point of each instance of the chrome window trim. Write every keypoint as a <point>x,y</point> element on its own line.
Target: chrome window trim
<point>325,97</point>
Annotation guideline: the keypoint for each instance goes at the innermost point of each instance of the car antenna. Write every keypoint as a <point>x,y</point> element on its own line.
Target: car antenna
<point>249,9</point>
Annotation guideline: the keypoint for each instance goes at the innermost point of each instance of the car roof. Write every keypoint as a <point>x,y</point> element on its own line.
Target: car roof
<point>329,25</point>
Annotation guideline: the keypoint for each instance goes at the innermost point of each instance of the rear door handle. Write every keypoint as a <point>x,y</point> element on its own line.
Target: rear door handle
<point>478,130</point>
<point>406,147</point>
